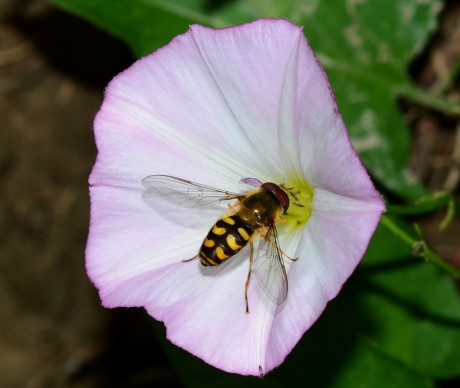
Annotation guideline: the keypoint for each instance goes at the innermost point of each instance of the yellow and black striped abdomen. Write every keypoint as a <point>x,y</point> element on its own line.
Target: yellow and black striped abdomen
<point>226,238</point>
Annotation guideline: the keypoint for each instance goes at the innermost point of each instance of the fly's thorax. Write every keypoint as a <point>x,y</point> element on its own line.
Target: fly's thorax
<point>260,209</point>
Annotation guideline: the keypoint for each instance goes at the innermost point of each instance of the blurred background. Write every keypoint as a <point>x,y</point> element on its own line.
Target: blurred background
<point>53,69</point>
<point>53,332</point>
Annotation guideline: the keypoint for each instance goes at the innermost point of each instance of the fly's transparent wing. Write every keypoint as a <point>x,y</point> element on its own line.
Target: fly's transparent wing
<point>186,193</point>
<point>268,267</point>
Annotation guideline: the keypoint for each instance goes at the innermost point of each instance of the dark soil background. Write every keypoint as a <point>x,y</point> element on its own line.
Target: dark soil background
<point>53,69</point>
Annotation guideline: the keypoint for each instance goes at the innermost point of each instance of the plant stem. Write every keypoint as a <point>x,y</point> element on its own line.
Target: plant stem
<point>428,100</point>
<point>420,247</point>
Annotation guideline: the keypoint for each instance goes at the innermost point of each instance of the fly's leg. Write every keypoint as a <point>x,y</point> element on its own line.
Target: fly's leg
<point>187,260</point>
<point>233,209</point>
<point>246,286</point>
<point>281,251</point>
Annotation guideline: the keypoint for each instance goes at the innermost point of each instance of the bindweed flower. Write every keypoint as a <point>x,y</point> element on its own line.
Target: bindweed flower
<point>248,103</point>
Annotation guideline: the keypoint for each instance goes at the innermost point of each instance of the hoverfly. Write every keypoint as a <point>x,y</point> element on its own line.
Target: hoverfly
<point>253,217</point>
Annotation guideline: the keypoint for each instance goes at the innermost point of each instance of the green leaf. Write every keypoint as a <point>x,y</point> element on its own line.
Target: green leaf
<point>141,25</point>
<point>413,315</point>
<point>372,368</point>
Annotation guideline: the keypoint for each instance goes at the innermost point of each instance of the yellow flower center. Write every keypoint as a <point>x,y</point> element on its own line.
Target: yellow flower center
<point>301,199</point>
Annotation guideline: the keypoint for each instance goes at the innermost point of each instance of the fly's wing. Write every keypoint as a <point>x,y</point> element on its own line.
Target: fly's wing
<point>186,193</point>
<point>268,267</point>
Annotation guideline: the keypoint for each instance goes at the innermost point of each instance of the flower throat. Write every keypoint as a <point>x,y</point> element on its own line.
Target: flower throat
<point>301,199</point>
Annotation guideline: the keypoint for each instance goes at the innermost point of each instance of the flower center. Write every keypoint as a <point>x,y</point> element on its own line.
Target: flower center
<point>301,200</point>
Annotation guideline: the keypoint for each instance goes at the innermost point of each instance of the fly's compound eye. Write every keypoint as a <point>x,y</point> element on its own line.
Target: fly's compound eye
<point>279,194</point>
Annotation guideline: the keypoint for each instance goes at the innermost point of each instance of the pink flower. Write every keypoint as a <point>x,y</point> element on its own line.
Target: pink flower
<point>216,106</point>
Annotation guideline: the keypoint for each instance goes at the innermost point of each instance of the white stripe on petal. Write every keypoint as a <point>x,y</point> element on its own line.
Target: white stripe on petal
<point>287,137</point>
<point>325,201</point>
